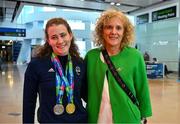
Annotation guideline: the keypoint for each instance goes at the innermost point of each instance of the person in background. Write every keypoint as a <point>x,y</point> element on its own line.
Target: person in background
<point>155,60</point>
<point>108,102</point>
<point>56,74</point>
<point>1,62</point>
<point>146,57</point>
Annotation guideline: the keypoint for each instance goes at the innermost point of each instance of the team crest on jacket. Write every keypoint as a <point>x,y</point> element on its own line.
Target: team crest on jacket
<point>78,70</point>
<point>51,70</point>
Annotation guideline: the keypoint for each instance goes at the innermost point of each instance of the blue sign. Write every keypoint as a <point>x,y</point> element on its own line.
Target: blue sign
<point>16,32</point>
<point>155,70</point>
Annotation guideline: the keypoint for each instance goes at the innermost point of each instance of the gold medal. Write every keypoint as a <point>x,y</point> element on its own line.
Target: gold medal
<point>70,108</point>
<point>58,109</point>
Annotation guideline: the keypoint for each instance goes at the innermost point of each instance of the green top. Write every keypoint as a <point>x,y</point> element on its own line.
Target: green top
<point>130,65</point>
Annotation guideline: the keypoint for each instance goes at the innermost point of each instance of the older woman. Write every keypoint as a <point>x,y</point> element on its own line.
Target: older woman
<point>108,100</point>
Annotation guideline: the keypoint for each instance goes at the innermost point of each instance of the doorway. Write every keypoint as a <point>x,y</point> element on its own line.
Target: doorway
<point>6,51</point>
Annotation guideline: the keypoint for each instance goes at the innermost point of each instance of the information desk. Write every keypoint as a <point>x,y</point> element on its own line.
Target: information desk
<point>155,70</point>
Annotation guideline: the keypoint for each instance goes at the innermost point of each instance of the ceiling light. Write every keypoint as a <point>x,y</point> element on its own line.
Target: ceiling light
<point>49,9</point>
<point>118,4</point>
<point>112,3</point>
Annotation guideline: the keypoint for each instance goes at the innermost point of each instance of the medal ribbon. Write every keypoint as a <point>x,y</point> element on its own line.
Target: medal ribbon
<point>63,82</point>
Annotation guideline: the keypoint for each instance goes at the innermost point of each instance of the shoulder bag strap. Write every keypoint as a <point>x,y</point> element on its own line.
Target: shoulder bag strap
<point>118,78</point>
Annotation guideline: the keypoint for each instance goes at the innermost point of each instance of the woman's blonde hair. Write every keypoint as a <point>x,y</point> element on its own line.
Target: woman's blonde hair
<point>128,36</point>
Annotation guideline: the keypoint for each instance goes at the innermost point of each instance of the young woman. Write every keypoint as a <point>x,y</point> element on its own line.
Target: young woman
<point>56,75</point>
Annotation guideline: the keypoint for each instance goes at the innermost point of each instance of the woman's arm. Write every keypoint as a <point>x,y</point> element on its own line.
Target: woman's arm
<point>29,94</point>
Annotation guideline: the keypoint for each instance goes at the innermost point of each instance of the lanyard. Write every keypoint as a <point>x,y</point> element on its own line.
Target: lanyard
<point>118,77</point>
<point>63,81</point>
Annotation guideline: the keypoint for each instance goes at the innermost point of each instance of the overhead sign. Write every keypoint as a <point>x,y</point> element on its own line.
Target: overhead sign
<point>164,14</point>
<point>15,32</point>
<point>141,19</point>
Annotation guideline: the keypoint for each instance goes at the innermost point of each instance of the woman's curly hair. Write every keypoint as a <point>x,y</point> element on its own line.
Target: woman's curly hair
<point>128,36</point>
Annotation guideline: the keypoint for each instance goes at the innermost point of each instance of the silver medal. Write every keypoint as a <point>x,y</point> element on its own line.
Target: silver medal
<point>58,109</point>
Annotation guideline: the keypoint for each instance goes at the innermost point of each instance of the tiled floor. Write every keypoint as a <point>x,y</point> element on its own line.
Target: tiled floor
<point>165,97</point>
<point>11,86</point>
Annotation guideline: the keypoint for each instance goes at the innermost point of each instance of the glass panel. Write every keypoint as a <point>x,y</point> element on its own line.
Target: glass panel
<point>82,47</point>
<point>160,40</point>
<point>76,24</point>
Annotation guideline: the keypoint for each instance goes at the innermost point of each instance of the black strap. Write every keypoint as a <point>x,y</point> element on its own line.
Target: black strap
<point>118,77</point>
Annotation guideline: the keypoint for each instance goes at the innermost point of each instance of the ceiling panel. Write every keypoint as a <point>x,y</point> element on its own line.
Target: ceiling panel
<point>9,8</point>
<point>141,3</point>
<point>4,3</point>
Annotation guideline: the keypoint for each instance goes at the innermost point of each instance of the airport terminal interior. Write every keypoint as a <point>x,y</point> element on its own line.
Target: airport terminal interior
<point>157,29</point>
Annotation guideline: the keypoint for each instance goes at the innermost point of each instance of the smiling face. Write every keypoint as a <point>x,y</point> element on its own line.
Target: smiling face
<point>59,39</point>
<point>113,31</point>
